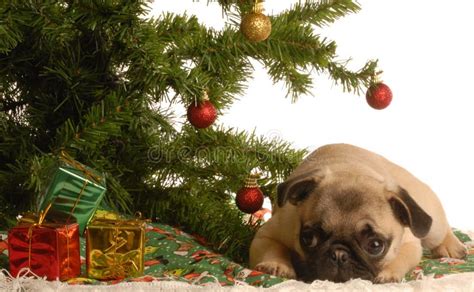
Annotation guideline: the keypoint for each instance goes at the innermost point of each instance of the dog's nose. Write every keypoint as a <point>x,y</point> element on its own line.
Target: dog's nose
<point>339,256</point>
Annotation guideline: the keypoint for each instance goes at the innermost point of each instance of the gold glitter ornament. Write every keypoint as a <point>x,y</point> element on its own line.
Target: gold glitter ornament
<point>256,26</point>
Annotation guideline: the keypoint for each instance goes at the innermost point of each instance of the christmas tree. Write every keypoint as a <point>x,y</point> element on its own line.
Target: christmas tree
<point>95,78</point>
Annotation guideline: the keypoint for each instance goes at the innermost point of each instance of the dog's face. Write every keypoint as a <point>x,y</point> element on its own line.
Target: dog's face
<point>350,226</point>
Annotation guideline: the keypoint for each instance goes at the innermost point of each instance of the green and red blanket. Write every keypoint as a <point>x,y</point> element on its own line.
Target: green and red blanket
<point>171,254</point>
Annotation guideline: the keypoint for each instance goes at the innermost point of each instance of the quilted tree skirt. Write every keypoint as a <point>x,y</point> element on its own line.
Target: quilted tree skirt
<point>175,260</point>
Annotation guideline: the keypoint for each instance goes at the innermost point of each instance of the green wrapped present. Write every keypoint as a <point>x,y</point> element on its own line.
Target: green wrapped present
<point>75,189</point>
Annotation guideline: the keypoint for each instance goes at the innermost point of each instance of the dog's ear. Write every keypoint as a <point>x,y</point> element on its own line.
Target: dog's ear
<point>410,214</point>
<point>298,189</point>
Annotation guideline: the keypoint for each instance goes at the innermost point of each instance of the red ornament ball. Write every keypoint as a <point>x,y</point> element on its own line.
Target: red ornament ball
<point>249,199</point>
<point>379,96</point>
<point>202,115</point>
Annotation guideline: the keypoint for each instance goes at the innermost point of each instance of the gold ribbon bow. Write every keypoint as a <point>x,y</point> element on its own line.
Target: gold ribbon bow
<point>33,218</point>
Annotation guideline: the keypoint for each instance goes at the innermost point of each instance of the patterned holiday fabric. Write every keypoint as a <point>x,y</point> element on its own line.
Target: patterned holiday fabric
<point>171,254</point>
<point>445,266</point>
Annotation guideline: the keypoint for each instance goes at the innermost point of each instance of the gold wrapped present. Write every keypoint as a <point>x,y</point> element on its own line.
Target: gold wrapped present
<point>115,247</point>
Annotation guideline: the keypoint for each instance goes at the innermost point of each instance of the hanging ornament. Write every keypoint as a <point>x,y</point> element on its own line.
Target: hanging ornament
<point>202,114</point>
<point>256,26</point>
<point>378,95</point>
<point>249,199</point>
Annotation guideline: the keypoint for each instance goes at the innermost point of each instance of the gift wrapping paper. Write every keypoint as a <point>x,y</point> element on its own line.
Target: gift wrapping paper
<point>115,248</point>
<point>48,249</point>
<point>75,189</point>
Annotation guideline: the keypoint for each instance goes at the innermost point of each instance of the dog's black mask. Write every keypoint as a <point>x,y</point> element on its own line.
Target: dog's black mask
<point>338,258</point>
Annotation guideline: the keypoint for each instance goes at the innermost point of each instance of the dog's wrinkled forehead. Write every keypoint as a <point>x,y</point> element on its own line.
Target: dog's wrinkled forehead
<point>350,199</point>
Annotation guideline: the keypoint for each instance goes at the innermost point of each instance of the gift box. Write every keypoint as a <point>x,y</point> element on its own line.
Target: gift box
<point>115,248</point>
<point>48,249</point>
<point>75,189</point>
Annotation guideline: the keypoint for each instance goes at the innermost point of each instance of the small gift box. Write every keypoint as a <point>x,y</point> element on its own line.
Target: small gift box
<point>115,248</point>
<point>75,189</point>
<point>49,249</point>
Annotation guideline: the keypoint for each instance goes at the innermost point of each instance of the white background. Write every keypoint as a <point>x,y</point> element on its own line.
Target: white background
<point>425,48</point>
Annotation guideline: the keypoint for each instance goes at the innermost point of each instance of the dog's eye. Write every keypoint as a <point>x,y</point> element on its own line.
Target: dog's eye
<point>309,239</point>
<point>375,247</point>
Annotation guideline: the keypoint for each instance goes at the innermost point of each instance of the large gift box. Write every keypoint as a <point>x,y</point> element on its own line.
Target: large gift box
<point>115,248</point>
<point>75,189</point>
<point>48,249</point>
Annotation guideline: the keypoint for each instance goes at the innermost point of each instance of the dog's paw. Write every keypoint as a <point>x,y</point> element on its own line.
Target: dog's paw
<point>389,276</point>
<point>451,247</point>
<point>277,269</point>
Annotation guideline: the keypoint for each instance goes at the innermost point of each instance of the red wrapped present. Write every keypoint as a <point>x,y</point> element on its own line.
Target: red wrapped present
<point>48,249</point>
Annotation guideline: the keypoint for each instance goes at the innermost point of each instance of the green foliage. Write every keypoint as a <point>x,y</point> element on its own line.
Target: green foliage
<point>91,78</point>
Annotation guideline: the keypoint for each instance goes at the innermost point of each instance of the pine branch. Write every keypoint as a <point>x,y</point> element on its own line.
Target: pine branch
<point>319,13</point>
<point>352,81</point>
<point>10,36</point>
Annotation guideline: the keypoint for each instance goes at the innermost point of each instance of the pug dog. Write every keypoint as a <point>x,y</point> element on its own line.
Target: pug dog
<point>346,213</point>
